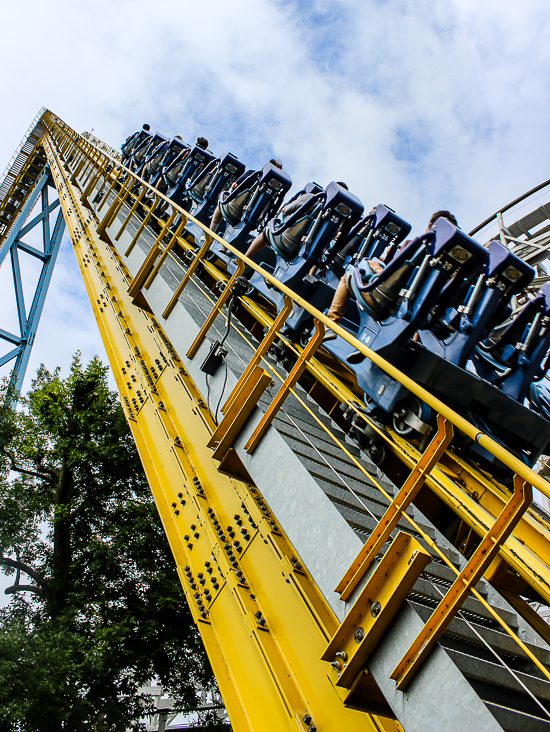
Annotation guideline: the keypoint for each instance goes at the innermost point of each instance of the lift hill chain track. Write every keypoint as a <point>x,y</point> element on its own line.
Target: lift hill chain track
<point>503,538</point>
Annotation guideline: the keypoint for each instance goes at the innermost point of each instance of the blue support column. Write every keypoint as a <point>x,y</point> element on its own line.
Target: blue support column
<point>14,246</point>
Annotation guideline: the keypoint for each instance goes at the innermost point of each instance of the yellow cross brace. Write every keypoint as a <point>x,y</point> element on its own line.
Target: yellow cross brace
<point>402,500</point>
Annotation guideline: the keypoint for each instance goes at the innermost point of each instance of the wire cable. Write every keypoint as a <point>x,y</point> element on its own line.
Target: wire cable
<point>492,650</point>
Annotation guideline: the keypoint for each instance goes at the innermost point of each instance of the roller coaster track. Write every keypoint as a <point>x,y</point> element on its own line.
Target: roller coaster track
<point>523,226</point>
<point>269,500</point>
<point>19,177</point>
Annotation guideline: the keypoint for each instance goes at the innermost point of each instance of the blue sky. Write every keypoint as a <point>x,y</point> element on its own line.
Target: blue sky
<point>420,105</point>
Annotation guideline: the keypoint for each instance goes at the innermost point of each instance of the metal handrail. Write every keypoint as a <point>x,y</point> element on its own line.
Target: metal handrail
<point>473,432</point>
<point>470,430</point>
<point>22,144</point>
<point>508,206</point>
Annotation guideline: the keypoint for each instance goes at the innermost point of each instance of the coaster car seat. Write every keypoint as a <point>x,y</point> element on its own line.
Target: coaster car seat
<point>514,356</point>
<point>132,142</point>
<point>162,157</point>
<point>142,151</point>
<point>308,231</point>
<point>469,308</point>
<point>378,234</point>
<point>260,193</point>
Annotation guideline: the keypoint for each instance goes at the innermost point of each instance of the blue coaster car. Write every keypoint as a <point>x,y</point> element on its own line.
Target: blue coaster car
<point>312,188</point>
<point>414,293</point>
<point>131,143</point>
<point>299,241</point>
<point>143,150</point>
<point>207,186</point>
<point>250,205</point>
<point>161,157</point>
<point>188,164</point>
<point>376,235</point>
<point>467,310</point>
<point>515,356</point>
<point>152,159</point>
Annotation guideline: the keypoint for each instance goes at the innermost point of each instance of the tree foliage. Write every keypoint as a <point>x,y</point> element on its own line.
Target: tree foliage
<point>96,608</point>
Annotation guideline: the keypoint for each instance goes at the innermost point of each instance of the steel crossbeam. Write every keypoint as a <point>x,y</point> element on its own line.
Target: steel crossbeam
<point>13,246</point>
<point>79,163</point>
<point>261,351</point>
<point>480,560</point>
<point>284,390</point>
<point>478,503</point>
<point>208,323</point>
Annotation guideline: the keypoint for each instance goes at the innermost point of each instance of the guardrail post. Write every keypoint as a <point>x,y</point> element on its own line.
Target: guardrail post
<point>402,500</point>
<point>215,310</point>
<point>286,386</point>
<point>136,203</point>
<point>144,270</point>
<point>480,560</point>
<point>142,225</point>
<point>262,349</point>
<point>187,276</point>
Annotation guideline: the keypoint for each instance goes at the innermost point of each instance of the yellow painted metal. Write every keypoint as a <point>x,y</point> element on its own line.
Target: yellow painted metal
<point>257,382</point>
<point>459,494</point>
<point>143,224</point>
<point>220,302</point>
<point>393,513</point>
<point>199,256</point>
<point>477,500</point>
<point>434,548</point>
<point>111,211</point>
<point>262,349</point>
<point>293,376</point>
<point>529,614</point>
<point>149,261</point>
<point>470,510</point>
<point>131,212</point>
<point>270,674</point>
<point>164,255</point>
<point>375,608</point>
<point>93,182</point>
<point>459,590</point>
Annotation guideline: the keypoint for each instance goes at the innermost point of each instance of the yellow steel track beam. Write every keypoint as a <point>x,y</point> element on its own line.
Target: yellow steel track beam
<point>263,621</point>
<point>477,508</point>
<point>477,499</point>
<point>472,495</point>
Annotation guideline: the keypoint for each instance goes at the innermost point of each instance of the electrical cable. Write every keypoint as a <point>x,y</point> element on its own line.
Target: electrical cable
<point>224,338</point>
<point>492,650</point>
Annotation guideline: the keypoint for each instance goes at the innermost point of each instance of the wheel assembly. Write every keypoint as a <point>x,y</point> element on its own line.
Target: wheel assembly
<point>411,418</point>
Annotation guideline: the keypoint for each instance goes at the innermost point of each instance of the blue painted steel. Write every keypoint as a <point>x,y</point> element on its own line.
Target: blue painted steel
<point>51,241</point>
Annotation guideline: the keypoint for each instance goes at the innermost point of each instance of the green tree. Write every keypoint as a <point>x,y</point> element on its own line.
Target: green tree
<point>97,607</point>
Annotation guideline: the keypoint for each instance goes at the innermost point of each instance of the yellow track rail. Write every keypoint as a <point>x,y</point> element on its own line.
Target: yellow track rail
<point>172,432</point>
<point>265,628</point>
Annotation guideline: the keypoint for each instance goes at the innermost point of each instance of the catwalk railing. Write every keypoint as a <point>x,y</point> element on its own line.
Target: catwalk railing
<point>510,533</point>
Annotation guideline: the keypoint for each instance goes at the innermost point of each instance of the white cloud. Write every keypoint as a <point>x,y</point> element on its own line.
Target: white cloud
<point>417,104</point>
